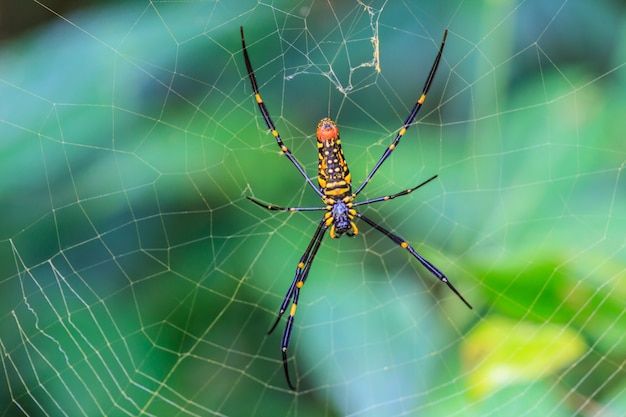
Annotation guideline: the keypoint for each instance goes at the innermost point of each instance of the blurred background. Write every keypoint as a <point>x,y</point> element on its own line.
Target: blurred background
<point>136,279</point>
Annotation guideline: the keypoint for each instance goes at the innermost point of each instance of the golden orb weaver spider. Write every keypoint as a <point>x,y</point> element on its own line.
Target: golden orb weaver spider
<point>335,190</point>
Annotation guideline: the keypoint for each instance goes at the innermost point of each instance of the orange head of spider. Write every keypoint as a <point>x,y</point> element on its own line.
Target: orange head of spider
<point>327,130</point>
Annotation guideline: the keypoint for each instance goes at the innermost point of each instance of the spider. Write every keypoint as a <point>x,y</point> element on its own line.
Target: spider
<point>335,190</point>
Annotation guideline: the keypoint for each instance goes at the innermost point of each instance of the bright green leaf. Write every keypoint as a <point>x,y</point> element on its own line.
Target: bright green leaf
<point>501,352</point>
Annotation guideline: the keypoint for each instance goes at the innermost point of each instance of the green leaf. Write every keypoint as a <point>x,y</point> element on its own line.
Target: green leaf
<point>500,352</point>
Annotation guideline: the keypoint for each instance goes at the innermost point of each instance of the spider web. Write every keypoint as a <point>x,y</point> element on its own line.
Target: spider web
<point>137,279</point>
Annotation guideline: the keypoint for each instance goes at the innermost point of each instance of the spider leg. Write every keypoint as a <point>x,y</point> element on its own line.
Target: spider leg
<point>409,119</point>
<point>404,244</point>
<point>293,293</point>
<point>391,197</point>
<point>319,232</point>
<point>273,207</point>
<point>268,119</point>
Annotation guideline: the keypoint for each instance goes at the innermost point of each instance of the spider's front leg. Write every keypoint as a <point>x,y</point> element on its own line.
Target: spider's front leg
<point>293,293</point>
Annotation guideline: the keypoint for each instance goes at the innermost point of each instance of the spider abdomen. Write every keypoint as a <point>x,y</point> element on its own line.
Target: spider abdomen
<point>333,173</point>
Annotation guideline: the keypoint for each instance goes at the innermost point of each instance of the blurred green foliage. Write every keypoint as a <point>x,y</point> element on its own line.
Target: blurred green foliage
<point>136,276</point>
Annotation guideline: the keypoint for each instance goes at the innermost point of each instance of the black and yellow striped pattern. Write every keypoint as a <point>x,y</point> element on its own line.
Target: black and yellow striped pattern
<point>333,172</point>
